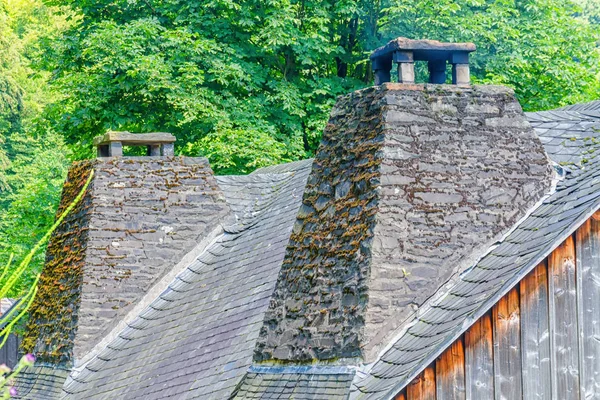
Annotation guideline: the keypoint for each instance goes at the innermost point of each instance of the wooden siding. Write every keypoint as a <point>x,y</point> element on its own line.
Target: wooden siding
<point>450,373</point>
<point>588,307</point>
<point>535,334</point>
<point>9,353</point>
<point>564,355</point>
<point>506,319</point>
<point>422,388</point>
<point>479,360</point>
<point>540,341</point>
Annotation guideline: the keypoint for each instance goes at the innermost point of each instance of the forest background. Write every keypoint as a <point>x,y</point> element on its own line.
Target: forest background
<point>246,83</point>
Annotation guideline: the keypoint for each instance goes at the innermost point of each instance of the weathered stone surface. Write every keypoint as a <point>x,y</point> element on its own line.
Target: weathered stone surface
<point>326,263</point>
<point>403,43</point>
<point>134,138</point>
<point>437,173</point>
<point>140,216</point>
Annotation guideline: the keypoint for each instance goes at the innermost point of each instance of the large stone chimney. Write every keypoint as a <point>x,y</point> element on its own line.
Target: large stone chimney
<point>139,218</point>
<point>410,185</point>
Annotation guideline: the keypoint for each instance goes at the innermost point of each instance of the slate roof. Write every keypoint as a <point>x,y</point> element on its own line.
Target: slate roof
<point>196,340</point>
<point>570,135</point>
<point>293,166</point>
<point>442,320</point>
<point>41,382</point>
<point>584,107</point>
<point>298,383</point>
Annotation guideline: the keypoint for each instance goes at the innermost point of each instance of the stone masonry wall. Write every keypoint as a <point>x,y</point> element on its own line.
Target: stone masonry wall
<point>410,184</point>
<point>460,167</point>
<point>142,215</point>
<point>317,309</point>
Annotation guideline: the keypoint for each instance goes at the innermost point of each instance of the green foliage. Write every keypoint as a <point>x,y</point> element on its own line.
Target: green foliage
<point>11,105</point>
<point>241,150</point>
<point>26,28</point>
<point>205,69</point>
<point>590,10</point>
<point>36,176</point>
<point>4,166</point>
<point>259,66</point>
<point>33,159</point>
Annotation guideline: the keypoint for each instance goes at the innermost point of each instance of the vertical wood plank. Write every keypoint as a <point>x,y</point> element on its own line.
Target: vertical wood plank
<point>507,348</point>
<point>12,351</point>
<point>400,396</point>
<point>19,340</point>
<point>535,335</point>
<point>479,360</point>
<point>423,386</point>
<point>450,373</point>
<point>563,322</point>
<point>3,354</point>
<point>588,306</point>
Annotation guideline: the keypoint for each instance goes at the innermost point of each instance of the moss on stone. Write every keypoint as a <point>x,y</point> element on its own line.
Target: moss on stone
<point>53,316</point>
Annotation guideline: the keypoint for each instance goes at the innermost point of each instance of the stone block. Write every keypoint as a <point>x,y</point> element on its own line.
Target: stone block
<point>508,122</point>
<point>407,117</point>
<point>441,198</point>
<point>406,72</point>
<point>396,180</point>
<point>461,74</point>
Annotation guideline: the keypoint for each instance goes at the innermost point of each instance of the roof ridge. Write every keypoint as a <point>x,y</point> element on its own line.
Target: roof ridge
<point>253,212</point>
<point>285,167</point>
<point>590,105</point>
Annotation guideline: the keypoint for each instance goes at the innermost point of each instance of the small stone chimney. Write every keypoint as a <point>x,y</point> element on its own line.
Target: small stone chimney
<point>140,216</point>
<point>410,185</point>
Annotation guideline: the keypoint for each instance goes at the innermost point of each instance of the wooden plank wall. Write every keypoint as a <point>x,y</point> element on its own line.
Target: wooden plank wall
<point>540,341</point>
<point>564,354</point>
<point>535,334</point>
<point>9,353</point>
<point>588,301</point>
<point>479,361</point>
<point>507,347</point>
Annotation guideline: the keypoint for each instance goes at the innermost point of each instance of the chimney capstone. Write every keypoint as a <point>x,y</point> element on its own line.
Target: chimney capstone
<point>111,144</point>
<point>405,52</point>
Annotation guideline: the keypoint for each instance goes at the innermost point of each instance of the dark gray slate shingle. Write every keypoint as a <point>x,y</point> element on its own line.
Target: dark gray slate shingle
<point>569,136</point>
<point>298,383</point>
<point>591,106</point>
<point>41,382</point>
